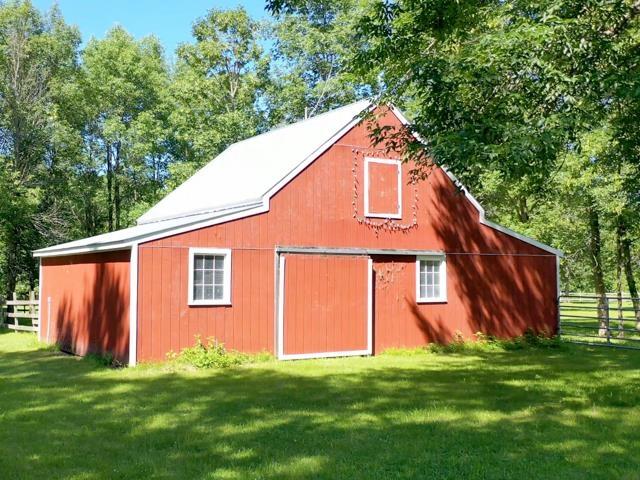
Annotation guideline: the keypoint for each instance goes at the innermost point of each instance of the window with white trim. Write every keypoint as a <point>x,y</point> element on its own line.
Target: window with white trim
<point>209,276</point>
<point>382,188</point>
<point>431,279</point>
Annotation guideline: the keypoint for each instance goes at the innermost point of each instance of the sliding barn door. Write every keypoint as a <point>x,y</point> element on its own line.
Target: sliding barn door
<point>324,306</point>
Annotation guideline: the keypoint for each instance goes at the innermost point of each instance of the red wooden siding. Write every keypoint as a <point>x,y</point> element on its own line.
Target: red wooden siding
<point>325,304</point>
<point>479,299</point>
<point>383,194</point>
<point>89,298</point>
<point>167,323</point>
<point>324,206</point>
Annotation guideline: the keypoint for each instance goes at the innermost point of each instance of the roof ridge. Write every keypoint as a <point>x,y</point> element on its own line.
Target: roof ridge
<point>304,120</point>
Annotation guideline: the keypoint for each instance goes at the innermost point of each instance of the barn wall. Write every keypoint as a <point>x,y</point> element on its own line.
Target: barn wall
<point>89,302</point>
<point>324,206</point>
<point>497,295</point>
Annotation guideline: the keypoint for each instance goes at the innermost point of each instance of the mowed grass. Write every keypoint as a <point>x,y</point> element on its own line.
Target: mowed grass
<point>572,412</point>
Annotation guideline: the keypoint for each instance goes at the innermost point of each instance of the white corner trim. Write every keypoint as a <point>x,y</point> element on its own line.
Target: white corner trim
<point>393,215</point>
<point>347,353</point>
<point>558,288</point>
<point>281,267</point>
<point>226,292</point>
<point>369,306</point>
<point>40,299</point>
<point>133,306</point>
<point>443,279</point>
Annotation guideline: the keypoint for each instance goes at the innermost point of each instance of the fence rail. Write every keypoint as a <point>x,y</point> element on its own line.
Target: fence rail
<point>613,320</point>
<point>20,315</point>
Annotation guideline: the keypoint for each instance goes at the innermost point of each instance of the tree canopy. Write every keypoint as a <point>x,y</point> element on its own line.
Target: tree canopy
<point>534,105</point>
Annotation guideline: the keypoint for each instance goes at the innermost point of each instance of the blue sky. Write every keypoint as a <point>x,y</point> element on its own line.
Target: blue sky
<point>169,20</point>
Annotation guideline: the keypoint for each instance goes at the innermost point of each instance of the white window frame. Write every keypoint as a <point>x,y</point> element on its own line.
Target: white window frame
<point>443,278</point>
<point>397,214</point>
<point>226,293</point>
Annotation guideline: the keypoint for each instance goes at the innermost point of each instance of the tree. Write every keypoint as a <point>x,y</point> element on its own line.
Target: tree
<point>123,83</point>
<point>36,53</point>
<point>313,47</point>
<point>214,89</point>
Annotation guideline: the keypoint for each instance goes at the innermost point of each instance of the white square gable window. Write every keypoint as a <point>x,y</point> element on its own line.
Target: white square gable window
<point>209,276</point>
<point>431,279</point>
<point>382,188</point>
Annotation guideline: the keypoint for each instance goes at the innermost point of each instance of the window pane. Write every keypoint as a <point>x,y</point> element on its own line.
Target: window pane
<point>208,277</point>
<point>197,292</point>
<point>430,280</point>
<point>208,293</point>
<point>218,292</point>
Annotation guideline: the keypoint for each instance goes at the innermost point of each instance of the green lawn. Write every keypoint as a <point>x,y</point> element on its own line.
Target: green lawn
<point>563,413</point>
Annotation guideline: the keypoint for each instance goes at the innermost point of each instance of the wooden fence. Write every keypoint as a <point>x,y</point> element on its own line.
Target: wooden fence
<point>23,315</point>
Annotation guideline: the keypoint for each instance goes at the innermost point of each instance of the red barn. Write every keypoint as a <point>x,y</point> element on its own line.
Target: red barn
<point>306,241</point>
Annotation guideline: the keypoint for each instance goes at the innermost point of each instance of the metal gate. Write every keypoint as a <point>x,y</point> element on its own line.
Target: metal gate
<point>610,321</point>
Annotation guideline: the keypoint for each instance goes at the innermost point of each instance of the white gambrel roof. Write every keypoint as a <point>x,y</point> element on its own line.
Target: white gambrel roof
<point>240,181</point>
<point>247,170</point>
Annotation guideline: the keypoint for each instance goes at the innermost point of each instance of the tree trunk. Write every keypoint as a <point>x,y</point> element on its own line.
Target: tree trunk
<point>595,247</point>
<point>109,189</point>
<point>628,269</point>
<point>619,267</point>
<point>116,185</point>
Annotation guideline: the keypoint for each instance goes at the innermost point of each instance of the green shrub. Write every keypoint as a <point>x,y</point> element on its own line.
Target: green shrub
<point>214,354</point>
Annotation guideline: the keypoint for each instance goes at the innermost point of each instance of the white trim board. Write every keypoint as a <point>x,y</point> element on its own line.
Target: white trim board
<point>40,299</point>
<point>393,215</point>
<point>303,356</point>
<point>226,281</point>
<point>442,275</point>
<point>354,251</point>
<point>133,306</point>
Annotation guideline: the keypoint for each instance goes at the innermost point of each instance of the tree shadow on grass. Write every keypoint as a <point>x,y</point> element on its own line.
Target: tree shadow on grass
<point>488,415</point>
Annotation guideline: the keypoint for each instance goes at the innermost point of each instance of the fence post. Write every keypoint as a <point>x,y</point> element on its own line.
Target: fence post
<point>15,310</point>
<point>32,308</point>
<point>608,319</point>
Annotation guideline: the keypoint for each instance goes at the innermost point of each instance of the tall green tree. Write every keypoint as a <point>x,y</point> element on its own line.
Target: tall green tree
<point>37,54</point>
<point>214,88</point>
<point>309,70</point>
<point>124,84</point>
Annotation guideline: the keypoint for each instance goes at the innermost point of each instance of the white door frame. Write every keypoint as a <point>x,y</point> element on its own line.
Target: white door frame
<point>280,316</point>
